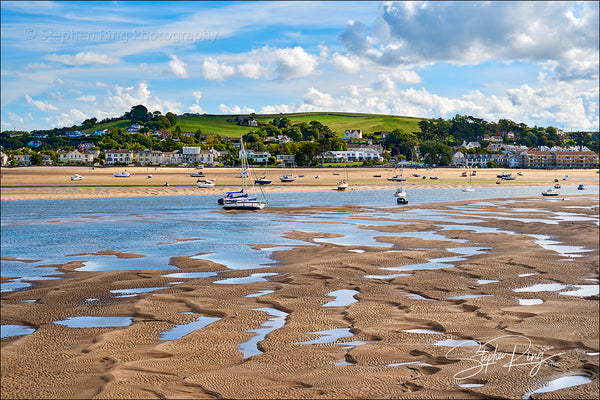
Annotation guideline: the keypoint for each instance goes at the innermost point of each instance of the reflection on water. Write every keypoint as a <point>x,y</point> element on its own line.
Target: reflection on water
<point>94,322</point>
<point>561,383</point>
<point>260,277</point>
<point>7,331</point>
<point>134,292</point>
<point>343,297</point>
<point>250,348</point>
<point>179,331</point>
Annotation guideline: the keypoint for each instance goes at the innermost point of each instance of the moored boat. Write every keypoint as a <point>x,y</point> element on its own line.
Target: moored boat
<point>401,196</point>
<point>77,177</point>
<point>205,183</point>
<point>123,174</point>
<point>242,199</point>
<point>581,187</point>
<point>550,192</point>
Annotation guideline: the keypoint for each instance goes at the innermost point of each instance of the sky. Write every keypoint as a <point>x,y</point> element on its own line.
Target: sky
<point>532,62</point>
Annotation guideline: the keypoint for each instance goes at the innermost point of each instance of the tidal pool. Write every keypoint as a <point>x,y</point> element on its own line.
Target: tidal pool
<point>250,348</point>
<point>343,297</point>
<point>179,331</point>
<point>258,277</point>
<point>7,331</point>
<point>95,322</point>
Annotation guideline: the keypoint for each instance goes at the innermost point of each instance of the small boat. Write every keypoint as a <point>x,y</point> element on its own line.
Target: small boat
<point>242,199</point>
<point>376,176</point>
<point>166,184</point>
<point>506,176</point>
<point>287,178</point>
<point>416,175</point>
<point>566,177</point>
<point>581,187</point>
<point>397,178</point>
<point>468,189</point>
<point>336,173</point>
<point>342,185</point>
<point>557,186</point>
<point>150,176</point>
<point>550,192</point>
<point>520,173</point>
<point>474,173</point>
<point>464,174</point>
<point>123,174</point>
<point>77,177</point>
<point>433,177</point>
<point>205,183</point>
<point>401,196</point>
<point>198,174</point>
<point>300,176</point>
<point>498,182</point>
<point>262,181</point>
<point>317,177</point>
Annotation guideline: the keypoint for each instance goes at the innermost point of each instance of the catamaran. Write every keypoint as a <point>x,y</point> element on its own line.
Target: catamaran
<point>242,199</point>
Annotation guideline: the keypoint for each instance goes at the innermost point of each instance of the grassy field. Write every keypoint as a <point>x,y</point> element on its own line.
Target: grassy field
<point>337,122</point>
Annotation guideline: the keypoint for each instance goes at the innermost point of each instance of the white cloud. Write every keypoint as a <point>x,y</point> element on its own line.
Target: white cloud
<point>73,117</point>
<point>15,118</point>
<point>213,70</point>
<point>41,105</point>
<point>83,58</point>
<point>197,95</point>
<point>235,109</point>
<point>177,67</point>
<point>293,63</point>
<point>195,108</point>
<point>120,99</point>
<point>90,98</point>
<point>347,65</point>
<point>410,33</point>
<point>251,70</point>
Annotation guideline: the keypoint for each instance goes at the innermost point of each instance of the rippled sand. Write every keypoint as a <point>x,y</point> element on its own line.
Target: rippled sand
<point>133,361</point>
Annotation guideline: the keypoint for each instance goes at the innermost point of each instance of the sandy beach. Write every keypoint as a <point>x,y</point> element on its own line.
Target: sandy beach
<point>29,183</point>
<point>393,328</point>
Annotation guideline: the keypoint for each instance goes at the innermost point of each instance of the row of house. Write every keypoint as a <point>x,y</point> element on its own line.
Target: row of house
<point>529,158</point>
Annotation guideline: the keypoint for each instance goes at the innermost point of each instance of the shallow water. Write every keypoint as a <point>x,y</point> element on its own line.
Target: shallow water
<point>179,331</point>
<point>250,348</point>
<point>95,322</point>
<point>343,297</point>
<point>561,383</point>
<point>136,291</point>
<point>259,277</point>
<point>7,331</point>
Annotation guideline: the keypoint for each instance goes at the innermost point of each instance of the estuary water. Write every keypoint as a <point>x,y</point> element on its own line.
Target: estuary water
<point>37,233</point>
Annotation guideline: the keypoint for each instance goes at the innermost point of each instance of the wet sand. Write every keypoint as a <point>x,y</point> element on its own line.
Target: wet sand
<point>132,361</point>
<point>30,183</point>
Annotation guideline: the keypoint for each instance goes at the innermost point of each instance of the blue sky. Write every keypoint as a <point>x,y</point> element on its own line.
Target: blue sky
<point>533,62</point>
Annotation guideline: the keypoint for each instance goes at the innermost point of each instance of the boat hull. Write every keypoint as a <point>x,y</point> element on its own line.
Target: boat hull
<point>244,205</point>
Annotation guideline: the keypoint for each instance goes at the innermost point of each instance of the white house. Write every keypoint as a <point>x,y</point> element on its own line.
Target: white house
<point>361,154</point>
<point>119,156</point>
<point>256,157</point>
<point>76,156</point>
<point>352,134</point>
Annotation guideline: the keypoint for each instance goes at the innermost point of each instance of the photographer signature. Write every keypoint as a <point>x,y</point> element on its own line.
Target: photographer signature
<point>520,356</point>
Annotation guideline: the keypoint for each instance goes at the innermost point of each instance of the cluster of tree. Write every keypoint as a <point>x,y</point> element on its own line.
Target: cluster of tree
<point>432,143</point>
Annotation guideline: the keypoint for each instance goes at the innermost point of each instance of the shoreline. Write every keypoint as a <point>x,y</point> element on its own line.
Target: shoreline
<point>38,183</point>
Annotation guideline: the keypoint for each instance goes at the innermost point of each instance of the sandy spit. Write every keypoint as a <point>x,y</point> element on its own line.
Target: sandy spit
<point>30,183</point>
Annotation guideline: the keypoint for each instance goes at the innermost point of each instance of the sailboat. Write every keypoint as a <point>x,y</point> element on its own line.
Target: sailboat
<point>287,178</point>
<point>398,178</point>
<point>242,199</point>
<point>343,184</point>
<point>469,188</point>
<point>263,180</point>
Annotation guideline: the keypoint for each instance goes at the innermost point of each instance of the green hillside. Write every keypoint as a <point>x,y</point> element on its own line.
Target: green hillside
<point>337,122</point>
